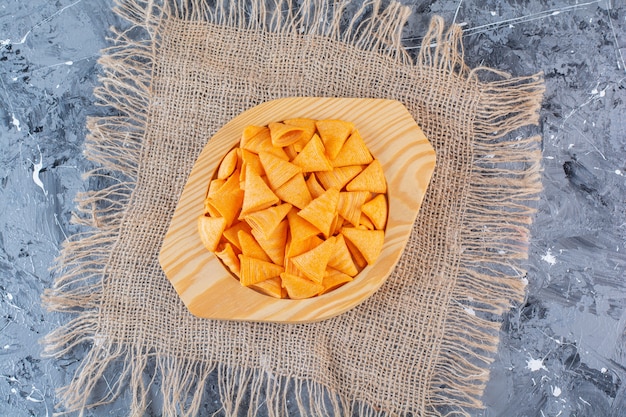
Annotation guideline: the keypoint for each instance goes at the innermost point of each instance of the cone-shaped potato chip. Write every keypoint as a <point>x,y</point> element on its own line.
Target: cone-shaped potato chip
<point>274,245</point>
<point>308,125</point>
<point>300,229</point>
<point>341,258</point>
<point>376,210</point>
<point>283,134</point>
<point>250,132</point>
<point>228,164</point>
<point>229,257</point>
<point>210,230</point>
<point>295,192</point>
<point>299,288</point>
<point>250,247</point>
<point>208,208</point>
<point>278,170</point>
<point>334,279</point>
<point>262,141</point>
<point>349,205</point>
<point>298,247</point>
<point>290,268</point>
<point>336,225</point>
<point>334,133</point>
<point>250,163</point>
<point>253,136</point>
<point>228,199</point>
<point>315,188</point>
<point>254,270</point>
<point>265,221</point>
<point>257,196</point>
<point>271,287</point>
<point>312,157</point>
<point>321,211</point>
<point>313,263</point>
<point>215,185</point>
<point>291,152</point>
<point>365,221</point>
<point>231,234</point>
<point>338,177</point>
<point>353,152</point>
<point>368,242</point>
<point>371,179</point>
<point>359,259</point>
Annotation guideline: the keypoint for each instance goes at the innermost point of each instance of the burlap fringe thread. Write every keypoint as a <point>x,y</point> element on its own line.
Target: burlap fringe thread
<point>494,217</point>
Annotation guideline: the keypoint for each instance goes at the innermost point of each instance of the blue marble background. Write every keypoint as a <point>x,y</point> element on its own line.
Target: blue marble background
<point>562,352</point>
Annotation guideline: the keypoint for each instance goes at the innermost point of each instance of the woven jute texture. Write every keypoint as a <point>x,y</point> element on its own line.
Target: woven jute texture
<point>422,344</point>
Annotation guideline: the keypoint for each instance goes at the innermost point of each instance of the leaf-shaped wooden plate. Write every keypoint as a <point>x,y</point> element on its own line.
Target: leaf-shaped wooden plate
<point>210,291</point>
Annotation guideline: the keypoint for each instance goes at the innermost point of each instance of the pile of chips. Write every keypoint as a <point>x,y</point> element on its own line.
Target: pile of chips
<point>298,209</point>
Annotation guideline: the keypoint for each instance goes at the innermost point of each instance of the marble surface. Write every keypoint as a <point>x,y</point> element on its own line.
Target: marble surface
<point>562,352</point>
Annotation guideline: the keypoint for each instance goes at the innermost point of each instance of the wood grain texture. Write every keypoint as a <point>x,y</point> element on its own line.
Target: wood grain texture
<point>210,291</point>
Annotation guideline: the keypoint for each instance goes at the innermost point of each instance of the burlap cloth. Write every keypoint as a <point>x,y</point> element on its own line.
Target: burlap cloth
<point>419,346</point>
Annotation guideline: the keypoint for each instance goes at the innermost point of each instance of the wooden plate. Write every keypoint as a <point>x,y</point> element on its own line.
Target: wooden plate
<point>210,291</point>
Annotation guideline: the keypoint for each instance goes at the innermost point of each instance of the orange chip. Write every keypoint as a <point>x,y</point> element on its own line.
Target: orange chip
<point>229,257</point>
<point>376,211</point>
<point>228,164</point>
<point>336,225</point>
<point>254,137</point>
<point>231,234</point>
<point>295,192</point>
<point>283,134</point>
<point>321,211</point>
<point>371,179</point>
<point>307,124</point>
<point>299,287</point>
<point>274,244</point>
<point>359,259</point>
<point>341,258</point>
<point>353,152</point>
<point>334,133</point>
<point>368,242</point>
<point>334,279</point>
<point>278,170</point>
<point>313,262</point>
<point>349,205</point>
<point>315,188</point>
<point>258,195</point>
<point>291,151</point>
<point>265,221</point>
<point>208,208</point>
<point>210,230</point>
<point>262,141</point>
<point>250,247</point>
<point>230,185</point>
<point>338,177</point>
<point>228,199</point>
<point>364,221</point>
<point>251,131</point>
<point>298,247</point>
<point>300,229</point>
<point>290,268</point>
<point>312,157</point>
<point>254,270</point>
<point>250,163</point>
<point>309,127</point>
<point>215,185</point>
<point>271,287</point>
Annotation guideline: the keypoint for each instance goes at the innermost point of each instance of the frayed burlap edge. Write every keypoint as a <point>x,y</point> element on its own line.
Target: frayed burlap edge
<point>494,236</point>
